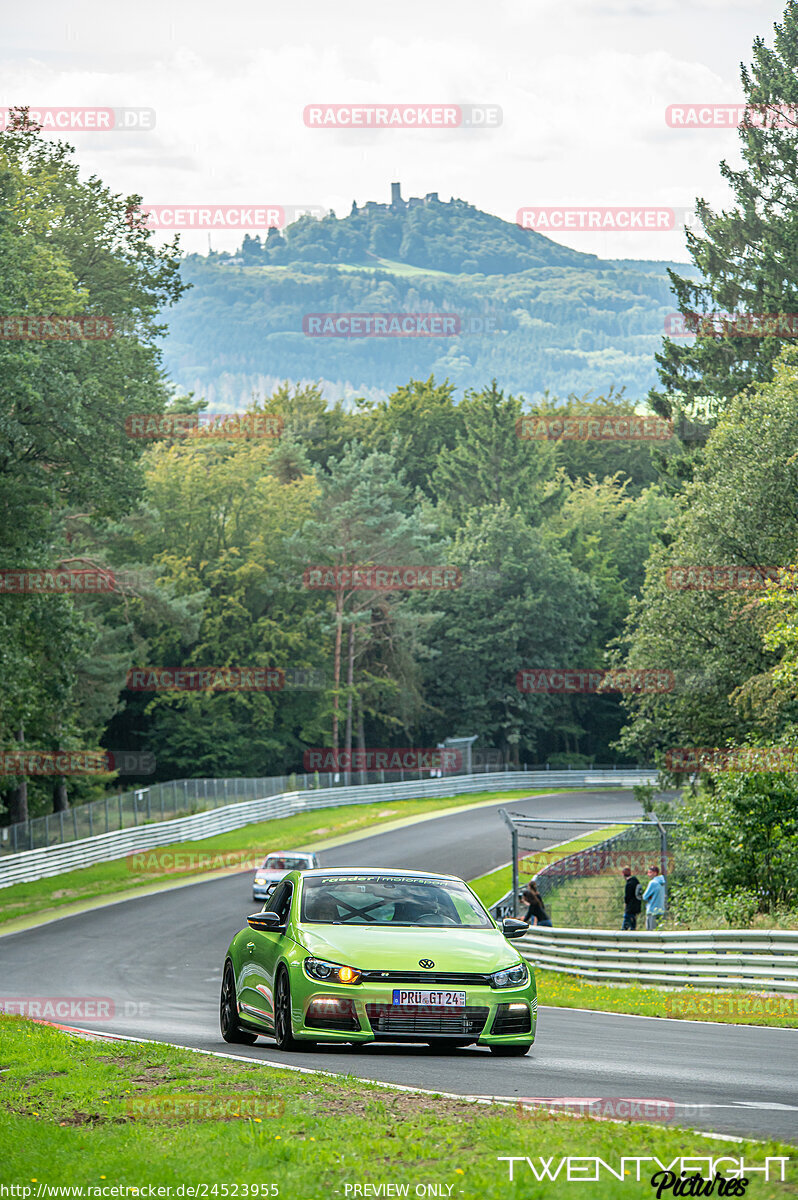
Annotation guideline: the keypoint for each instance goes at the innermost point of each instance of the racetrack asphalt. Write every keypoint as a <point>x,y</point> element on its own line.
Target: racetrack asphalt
<point>157,959</point>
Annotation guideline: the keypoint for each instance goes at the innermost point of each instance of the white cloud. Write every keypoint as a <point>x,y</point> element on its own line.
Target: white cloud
<point>583,86</point>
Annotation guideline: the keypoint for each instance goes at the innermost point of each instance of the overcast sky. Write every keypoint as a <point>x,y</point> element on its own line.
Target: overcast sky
<point>583,86</point>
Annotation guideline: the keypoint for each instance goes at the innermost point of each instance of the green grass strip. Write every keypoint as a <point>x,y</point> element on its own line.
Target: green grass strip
<point>95,1114</point>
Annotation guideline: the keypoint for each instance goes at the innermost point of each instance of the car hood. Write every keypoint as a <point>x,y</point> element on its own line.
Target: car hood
<point>397,949</point>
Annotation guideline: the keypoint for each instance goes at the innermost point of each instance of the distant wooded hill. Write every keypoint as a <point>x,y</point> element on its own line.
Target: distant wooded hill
<point>533,314</point>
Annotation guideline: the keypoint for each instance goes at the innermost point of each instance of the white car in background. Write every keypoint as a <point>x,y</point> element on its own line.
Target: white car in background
<point>276,865</point>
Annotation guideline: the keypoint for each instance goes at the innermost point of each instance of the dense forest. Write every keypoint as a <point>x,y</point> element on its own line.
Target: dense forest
<point>534,314</point>
<point>659,567</point>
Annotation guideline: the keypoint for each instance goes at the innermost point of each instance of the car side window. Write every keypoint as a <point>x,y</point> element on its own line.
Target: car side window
<point>280,901</point>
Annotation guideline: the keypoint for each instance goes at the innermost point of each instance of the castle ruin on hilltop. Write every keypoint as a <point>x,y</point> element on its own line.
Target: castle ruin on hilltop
<point>397,202</point>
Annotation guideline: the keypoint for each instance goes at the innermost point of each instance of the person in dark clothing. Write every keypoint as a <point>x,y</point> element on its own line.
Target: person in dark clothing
<point>632,899</point>
<point>535,913</point>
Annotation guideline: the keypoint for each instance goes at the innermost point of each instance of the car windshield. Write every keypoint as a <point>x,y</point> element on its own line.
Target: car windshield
<point>285,862</point>
<point>390,900</point>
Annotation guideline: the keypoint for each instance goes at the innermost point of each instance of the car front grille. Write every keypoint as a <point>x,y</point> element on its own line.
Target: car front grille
<point>435,978</point>
<point>407,1021</point>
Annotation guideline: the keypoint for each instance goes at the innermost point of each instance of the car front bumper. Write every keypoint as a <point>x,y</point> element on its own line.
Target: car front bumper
<point>370,1014</point>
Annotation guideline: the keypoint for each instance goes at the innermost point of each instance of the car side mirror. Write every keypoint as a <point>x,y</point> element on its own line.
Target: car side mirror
<point>266,922</point>
<point>513,928</point>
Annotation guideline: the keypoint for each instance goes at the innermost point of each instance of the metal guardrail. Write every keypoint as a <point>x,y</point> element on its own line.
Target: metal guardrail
<point>182,797</point>
<point>714,958</point>
<point>29,865</point>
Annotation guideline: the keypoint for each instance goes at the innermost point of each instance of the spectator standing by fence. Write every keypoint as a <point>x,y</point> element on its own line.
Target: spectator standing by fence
<point>536,914</point>
<point>632,899</point>
<point>654,897</point>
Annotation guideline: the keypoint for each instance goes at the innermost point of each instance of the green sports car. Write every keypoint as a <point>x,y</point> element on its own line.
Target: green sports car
<point>353,955</point>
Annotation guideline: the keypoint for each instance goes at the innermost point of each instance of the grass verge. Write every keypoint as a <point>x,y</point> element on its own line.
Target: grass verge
<point>91,1115</point>
<point>731,1006</point>
<point>241,847</point>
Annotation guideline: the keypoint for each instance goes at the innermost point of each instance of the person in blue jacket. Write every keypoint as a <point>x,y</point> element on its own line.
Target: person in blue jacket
<point>654,897</point>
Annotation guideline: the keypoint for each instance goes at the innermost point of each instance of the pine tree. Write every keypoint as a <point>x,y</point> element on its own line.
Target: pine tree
<point>747,255</point>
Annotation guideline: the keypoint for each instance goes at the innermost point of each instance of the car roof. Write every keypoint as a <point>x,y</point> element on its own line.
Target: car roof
<point>376,871</point>
<point>290,854</point>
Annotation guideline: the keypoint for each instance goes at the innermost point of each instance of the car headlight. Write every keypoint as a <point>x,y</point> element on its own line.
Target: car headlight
<point>329,972</point>
<point>510,976</point>
<point>260,878</point>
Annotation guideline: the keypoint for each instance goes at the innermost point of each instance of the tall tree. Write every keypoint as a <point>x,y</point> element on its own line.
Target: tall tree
<point>709,629</point>
<point>747,255</point>
<point>67,250</point>
<point>364,516</point>
<point>490,463</point>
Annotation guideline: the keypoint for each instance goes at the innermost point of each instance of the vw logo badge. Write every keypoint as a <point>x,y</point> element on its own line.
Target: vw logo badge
<point>426,962</point>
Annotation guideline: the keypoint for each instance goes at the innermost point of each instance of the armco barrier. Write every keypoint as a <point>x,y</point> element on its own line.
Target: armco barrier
<point>715,958</point>
<point>175,798</point>
<point>54,860</point>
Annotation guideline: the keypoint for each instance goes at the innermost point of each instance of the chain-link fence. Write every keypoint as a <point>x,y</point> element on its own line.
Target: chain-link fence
<point>182,797</point>
<point>578,865</point>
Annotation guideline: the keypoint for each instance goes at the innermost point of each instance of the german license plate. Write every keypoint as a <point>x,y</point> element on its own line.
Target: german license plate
<point>404,996</point>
